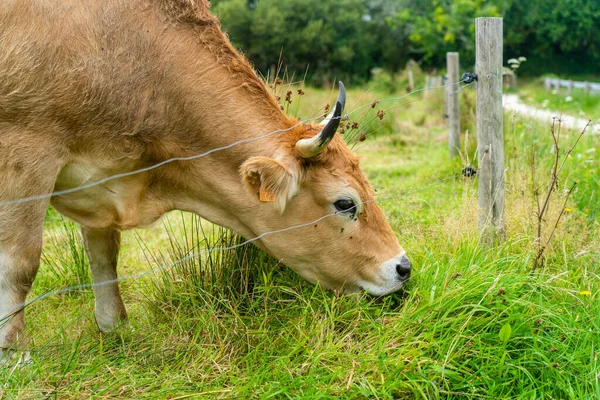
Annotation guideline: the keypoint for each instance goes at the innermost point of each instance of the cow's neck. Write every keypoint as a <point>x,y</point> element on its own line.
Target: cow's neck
<point>223,107</point>
<point>220,99</point>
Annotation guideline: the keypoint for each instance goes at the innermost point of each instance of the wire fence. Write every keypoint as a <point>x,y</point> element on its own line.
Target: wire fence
<point>19,307</point>
<point>206,153</point>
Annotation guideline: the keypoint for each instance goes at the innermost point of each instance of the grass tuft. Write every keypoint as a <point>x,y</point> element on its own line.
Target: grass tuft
<point>218,271</point>
<point>63,259</point>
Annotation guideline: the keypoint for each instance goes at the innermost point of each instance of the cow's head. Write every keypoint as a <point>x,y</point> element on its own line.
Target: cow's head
<point>315,177</point>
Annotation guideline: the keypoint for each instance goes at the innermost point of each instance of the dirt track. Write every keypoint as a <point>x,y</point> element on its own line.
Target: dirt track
<point>511,102</point>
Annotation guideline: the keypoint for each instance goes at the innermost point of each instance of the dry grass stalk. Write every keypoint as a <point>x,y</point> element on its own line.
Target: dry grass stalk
<point>543,202</point>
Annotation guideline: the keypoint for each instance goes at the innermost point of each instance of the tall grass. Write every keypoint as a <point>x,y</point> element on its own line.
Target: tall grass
<point>224,274</point>
<point>63,260</point>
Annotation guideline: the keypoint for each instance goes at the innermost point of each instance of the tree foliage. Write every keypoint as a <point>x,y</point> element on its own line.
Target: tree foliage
<point>347,38</point>
<point>559,36</point>
<point>439,26</point>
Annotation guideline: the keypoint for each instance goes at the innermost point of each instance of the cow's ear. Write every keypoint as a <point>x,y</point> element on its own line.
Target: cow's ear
<point>269,180</point>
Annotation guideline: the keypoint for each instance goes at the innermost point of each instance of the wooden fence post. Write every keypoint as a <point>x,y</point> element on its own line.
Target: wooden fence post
<point>547,83</point>
<point>570,87</point>
<point>452,104</point>
<point>411,80</point>
<point>490,134</point>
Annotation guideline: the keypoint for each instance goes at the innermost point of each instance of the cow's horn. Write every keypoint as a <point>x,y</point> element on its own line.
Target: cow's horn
<point>315,145</point>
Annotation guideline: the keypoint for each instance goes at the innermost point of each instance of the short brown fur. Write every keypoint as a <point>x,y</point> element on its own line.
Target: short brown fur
<point>91,89</point>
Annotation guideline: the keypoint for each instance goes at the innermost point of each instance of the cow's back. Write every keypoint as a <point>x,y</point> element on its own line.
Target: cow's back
<point>80,67</point>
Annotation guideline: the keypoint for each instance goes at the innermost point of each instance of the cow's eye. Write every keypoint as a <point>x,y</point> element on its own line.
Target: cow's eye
<point>345,206</point>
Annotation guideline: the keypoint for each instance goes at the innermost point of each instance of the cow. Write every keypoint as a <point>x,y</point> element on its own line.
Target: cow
<point>90,89</point>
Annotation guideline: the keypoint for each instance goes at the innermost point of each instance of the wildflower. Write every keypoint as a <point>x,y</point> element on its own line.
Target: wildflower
<point>300,92</point>
<point>568,210</point>
<point>380,114</point>
<point>585,293</point>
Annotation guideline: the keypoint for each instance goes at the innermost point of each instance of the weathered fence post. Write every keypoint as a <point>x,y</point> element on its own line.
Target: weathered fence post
<point>490,134</point>
<point>427,81</point>
<point>547,83</point>
<point>570,87</point>
<point>452,104</point>
<point>586,86</point>
<point>411,80</point>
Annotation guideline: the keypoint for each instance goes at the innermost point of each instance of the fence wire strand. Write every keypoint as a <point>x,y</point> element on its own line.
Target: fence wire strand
<point>19,307</point>
<point>209,152</point>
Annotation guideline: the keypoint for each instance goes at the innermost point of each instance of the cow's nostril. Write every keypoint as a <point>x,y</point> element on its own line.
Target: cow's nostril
<point>403,268</point>
<point>403,272</point>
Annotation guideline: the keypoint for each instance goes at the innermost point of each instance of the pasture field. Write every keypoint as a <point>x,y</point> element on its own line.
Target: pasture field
<point>473,322</point>
<point>578,103</point>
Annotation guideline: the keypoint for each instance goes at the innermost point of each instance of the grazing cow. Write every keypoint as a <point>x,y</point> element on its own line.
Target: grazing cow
<point>90,89</point>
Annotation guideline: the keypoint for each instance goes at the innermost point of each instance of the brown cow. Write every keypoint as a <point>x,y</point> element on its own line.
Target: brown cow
<point>89,89</point>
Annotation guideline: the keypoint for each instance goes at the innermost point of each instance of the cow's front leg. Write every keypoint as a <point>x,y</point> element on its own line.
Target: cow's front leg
<point>20,248</point>
<point>102,247</point>
<point>19,262</point>
<point>28,167</point>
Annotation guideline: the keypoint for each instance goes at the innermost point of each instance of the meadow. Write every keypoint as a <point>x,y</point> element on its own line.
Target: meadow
<point>474,322</point>
<point>578,103</point>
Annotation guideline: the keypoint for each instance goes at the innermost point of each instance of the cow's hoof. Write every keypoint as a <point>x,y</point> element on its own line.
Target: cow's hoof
<point>12,358</point>
<point>110,325</point>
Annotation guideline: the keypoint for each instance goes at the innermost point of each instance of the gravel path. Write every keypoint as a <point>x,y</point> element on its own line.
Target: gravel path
<point>511,102</point>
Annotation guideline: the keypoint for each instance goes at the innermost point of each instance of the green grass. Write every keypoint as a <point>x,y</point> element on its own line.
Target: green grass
<point>577,104</point>
<point>473,322</point>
